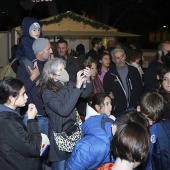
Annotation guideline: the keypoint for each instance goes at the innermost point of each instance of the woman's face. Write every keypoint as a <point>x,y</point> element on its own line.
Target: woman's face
<point>138,60</point>
<point>166,82</point>
<point>105,61</point>
<point>106,107</point>
<point>93,69</point>
<point>21,99</point>
<point>58,71</point>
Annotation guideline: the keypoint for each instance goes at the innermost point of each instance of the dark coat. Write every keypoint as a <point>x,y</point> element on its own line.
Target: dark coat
<point>60,107</point>
<point>25,48</point>
<point>19,146</point>
<point>112,83</point>
<point>31,88</point>
<point>150,76</point>
<point>93,54</point>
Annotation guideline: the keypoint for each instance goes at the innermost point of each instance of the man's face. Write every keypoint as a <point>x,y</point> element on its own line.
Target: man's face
<point>62,49</point>
<point>99,46</point>
<point>46,52</point>
<point>119,59</point>
<point>166,48</point>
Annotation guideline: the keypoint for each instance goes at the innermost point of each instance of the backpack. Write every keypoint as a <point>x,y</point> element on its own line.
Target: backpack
<point>7,71</point>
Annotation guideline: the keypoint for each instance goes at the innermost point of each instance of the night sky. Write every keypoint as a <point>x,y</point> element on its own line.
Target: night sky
<point>133,16</point>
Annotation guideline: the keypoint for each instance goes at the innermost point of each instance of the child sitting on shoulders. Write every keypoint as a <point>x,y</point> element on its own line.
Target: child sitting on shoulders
<point>31,30</point>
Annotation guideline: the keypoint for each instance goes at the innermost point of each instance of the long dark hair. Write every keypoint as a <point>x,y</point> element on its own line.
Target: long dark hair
<point>129,145</point>
<point>98,99</point>
<point>160,89</point>
<point>9,87</point>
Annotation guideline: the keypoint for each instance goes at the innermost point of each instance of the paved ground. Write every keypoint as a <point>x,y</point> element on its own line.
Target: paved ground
<point>48,168</point>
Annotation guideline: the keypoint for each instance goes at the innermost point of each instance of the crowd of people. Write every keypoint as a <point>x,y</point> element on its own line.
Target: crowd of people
<point>99,109</point>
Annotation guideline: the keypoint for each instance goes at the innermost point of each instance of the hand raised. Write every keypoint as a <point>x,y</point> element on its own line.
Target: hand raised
<point>32,111</point>
<point>80,77</point>
<point>34,73</point>
<point>87,73</point>
<point>35,65</point>
<point>111,95</point>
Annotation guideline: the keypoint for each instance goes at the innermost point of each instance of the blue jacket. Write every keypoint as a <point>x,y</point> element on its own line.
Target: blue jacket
<point>94,148</point>
<point>159,155</point>
<point>26,41</point>
<point>147,165</point>
<point>161,150</point>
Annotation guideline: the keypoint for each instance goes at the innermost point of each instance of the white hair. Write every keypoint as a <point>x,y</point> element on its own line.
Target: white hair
<point>115,50</point>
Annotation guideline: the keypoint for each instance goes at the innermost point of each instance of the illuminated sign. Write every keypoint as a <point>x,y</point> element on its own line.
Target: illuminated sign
<point>41,0</point>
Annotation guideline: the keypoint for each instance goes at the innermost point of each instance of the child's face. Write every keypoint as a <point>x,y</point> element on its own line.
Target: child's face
<point>21,99</point>
<point>166,82</point>
<point>106,107</point>
<point>105,61</point>
<point>35,33</point>
<point>93,69</point>
<point>138,60</point>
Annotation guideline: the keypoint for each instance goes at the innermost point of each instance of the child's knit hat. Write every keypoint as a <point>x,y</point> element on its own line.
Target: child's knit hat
<point>28,25</point>
<point>34,26</point>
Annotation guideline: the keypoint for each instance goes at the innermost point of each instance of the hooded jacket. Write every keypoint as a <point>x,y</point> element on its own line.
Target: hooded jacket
<point>90,112</point>
<point>19,146</point>
<point>26,41</point>
<point>94,148</point>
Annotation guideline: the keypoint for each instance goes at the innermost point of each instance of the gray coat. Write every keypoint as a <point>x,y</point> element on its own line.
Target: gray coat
<point>60,107</point>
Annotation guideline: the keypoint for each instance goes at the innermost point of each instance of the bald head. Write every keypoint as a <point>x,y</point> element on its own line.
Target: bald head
<point>111,43</point>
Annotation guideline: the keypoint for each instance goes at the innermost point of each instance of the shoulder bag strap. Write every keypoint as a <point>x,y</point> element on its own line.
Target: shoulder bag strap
<point>13,61</point>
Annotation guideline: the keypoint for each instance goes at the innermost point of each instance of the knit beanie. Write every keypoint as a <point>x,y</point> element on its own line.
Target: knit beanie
<point>34,26</point>
<point>39,44</point>
<point>27,23</point>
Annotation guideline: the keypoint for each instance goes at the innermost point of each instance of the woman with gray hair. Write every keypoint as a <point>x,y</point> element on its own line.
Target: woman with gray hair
<point>60,97</point>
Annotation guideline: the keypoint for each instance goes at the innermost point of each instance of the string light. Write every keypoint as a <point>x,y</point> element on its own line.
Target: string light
<point>41,0</point>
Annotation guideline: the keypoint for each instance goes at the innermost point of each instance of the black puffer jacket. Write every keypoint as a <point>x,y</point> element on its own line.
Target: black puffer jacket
<point>19,146</point>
